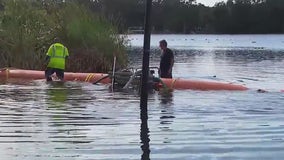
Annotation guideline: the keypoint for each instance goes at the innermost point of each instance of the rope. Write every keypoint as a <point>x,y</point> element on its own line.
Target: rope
<point>7,70</point>
<point>99,80</point>
<point>7,73</point>
<point>173,83</point>
<point>89,77</point>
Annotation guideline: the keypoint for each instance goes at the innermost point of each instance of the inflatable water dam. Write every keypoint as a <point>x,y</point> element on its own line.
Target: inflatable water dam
<point>175,83</point>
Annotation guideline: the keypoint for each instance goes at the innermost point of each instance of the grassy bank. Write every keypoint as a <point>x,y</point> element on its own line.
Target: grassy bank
<point>28,28</point>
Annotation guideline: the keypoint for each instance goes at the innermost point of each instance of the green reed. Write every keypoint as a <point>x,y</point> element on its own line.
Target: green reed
<point>27,29</point>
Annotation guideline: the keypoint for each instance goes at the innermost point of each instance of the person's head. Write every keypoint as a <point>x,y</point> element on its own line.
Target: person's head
<point>163,44</point>
<point>56,40</point>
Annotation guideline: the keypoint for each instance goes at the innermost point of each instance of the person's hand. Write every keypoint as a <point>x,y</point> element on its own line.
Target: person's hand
<point>170,71</point>
<point>44,67</point>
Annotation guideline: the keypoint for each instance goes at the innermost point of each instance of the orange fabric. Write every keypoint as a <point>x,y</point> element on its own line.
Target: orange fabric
<point>93,77</point>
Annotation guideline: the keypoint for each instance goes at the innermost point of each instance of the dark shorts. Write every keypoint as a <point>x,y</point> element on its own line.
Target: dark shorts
<point>50,71</point>
<point>164,74</point>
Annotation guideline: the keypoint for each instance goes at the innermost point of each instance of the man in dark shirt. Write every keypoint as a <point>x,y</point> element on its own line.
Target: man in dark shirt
<point>167,60</point>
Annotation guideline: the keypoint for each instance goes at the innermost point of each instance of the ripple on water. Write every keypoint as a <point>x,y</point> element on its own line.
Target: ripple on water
<point>81,121</point>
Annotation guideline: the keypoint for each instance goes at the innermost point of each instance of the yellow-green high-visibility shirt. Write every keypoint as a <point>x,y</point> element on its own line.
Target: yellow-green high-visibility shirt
<point>57,53</point>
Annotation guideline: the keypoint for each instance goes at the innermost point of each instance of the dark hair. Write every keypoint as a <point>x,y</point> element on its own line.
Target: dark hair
<point>164,42</point>
<point>56,39</point>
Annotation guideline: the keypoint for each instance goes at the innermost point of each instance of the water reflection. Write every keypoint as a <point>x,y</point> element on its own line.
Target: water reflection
<point>86,122</point>
<point>166,96</point>
<point>248,55</point>
<point>64,111</point>
<point>193,55</point>
<point>167,117</point>
<point>144,135</point>
<point>57,94</point>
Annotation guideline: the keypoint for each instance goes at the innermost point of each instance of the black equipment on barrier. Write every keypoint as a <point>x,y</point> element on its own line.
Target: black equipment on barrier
<point>131,79</point>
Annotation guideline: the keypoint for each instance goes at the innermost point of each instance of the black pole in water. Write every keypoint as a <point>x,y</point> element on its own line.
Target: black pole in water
<point>144,133</point>
<point>146,52</point>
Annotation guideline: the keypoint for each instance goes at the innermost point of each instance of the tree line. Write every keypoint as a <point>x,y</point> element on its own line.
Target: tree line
<point>186,16</point>
<point>28,28</point>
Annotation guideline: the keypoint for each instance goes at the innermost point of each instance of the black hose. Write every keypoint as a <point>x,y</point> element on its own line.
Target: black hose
<point>97,81</point>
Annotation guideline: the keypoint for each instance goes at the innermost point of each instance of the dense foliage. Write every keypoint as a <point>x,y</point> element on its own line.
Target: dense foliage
<point>27,29</point>
<point>185,16</point>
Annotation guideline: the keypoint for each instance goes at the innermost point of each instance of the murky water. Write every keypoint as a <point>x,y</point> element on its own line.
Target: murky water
<point>81,121</point>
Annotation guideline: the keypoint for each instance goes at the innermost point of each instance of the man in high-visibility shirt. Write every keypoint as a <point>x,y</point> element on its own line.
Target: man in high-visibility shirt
<point>55,58</point>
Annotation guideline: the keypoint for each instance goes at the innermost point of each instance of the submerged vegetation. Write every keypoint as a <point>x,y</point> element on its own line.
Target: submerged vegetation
<point>27,29</point>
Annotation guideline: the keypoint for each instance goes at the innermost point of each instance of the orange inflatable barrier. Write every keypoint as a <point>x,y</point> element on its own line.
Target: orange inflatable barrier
<point>6,74</point>
<point>201,85</point>
<point>180,84</point>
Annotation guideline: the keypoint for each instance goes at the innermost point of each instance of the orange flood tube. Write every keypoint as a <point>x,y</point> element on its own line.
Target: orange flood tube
<point>68,76</point>
<point>179,84</point>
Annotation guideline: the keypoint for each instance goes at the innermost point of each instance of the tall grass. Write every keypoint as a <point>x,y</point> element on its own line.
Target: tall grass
<point>24,33</point>
<point>28,27</point>
<point>94,40</point>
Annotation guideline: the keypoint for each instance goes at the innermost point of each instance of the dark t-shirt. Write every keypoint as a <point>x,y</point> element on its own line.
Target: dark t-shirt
<point>165,63</point>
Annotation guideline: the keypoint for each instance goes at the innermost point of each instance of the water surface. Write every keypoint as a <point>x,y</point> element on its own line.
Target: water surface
<point>81,121</point>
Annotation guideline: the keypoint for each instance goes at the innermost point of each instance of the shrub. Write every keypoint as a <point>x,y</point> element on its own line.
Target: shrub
<point>27,29</point>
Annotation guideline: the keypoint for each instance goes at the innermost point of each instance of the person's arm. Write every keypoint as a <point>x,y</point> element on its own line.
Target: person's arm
<point>171,63</point>
<point>66,57</point>
<point>67,53</point>
<point>49,51</point>
<point>47,57</point>
<point>45,63</point>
